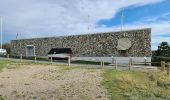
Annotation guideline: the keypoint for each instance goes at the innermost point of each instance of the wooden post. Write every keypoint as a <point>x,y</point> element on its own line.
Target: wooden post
<point>112,60</point>
<point>68,60</point>
<point>21,57</point>
<point>163,66</point>
<point>51,60</point>
<point>130,65</point>
<point>115,65</point>
<point>35,59</point>
<point>103,63</point>
<point>145,60</point>
<point>131,62</point>
<point>8,56</point>
<point>168,68</point>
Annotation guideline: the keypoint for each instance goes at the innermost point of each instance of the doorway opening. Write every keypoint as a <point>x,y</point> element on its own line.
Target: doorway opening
<point>30,50</point>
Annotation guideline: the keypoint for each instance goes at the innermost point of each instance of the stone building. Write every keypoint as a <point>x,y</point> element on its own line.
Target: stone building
<point>135,44</point>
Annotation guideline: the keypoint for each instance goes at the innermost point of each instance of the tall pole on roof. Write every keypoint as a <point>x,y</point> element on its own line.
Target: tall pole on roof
<point>88,23</point>
<point>122,19</point>
<point>1,32</point>
<point>17,36</point>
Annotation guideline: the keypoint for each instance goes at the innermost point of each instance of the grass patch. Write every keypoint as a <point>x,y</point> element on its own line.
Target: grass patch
<point>68,68</point>
<point>133,85</point>
<point>1,97</point>
<point>4,64</point>
<point>16,64</point>
<point>9,64</point>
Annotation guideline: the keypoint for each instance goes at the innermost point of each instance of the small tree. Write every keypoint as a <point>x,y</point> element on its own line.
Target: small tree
<point>163,50</point>
<point>161,54</point>
<point>7,47</point>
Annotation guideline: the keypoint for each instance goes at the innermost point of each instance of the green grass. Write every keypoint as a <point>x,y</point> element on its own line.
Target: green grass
<point>131,85</point>
<point>9,64</point>
<point>3,64</point>
<point>66,68</point>
<point>15,64</point>
<point>2,98</point>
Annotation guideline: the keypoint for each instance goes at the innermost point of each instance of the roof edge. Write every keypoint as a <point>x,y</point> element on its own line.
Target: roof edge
<point>86,34</point>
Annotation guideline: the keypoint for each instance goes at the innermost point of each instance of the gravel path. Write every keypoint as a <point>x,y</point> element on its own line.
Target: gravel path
<point>40,82</point>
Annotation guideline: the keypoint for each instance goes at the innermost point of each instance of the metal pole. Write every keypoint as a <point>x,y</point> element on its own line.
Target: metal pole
<point>1,32</point>
<point>122,19</point>
<point>88,23</point>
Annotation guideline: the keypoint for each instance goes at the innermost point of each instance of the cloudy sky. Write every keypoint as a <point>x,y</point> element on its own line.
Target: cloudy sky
<point>48,18</point>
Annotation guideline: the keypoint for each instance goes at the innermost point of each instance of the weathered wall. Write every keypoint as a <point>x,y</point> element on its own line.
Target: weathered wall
<point>90,45</point>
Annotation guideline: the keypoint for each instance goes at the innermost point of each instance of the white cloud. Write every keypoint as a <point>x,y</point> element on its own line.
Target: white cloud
<point>59,17</point>
<point>39,18</point>
<point>157,40</point>
<point>160,29</point>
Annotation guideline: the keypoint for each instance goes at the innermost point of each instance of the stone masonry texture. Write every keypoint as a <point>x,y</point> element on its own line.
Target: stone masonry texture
<point>90,45</point>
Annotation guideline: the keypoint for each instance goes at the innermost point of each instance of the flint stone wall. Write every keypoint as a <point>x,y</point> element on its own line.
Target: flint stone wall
<point>90,45</point>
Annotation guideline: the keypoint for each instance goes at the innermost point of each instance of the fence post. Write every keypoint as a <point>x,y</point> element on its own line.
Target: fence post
<point>51,60</point>
<point>112,60</point>
<point>168,68</point>
<point>68,60</point>
<point>35,59</point>
<point>163,66</point>
<point>21,57</point>
<point>8,56</point>
<point>145,60</point>
<point>103,63</point>
<point>115,65</point>
<point>130,65</point>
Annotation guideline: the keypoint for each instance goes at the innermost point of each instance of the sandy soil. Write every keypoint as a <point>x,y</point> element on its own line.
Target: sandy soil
<point>39,82</point>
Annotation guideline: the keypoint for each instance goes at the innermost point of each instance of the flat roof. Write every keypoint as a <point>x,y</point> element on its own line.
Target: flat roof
<point>95,33</point>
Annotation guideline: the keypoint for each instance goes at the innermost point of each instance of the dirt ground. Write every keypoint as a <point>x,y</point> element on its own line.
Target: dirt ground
<point>46,82</point>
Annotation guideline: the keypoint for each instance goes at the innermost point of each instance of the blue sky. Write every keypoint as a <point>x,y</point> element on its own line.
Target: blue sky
<point>134,14</point>
<point>48,18</point>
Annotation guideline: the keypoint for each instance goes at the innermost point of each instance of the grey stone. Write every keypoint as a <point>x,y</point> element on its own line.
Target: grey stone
<point>90,45</point>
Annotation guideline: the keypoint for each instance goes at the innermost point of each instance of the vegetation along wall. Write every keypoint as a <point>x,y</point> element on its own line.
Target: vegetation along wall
<point>131,43</point>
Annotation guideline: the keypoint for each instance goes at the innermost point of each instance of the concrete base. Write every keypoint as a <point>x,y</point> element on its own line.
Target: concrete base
<point>120,60</point>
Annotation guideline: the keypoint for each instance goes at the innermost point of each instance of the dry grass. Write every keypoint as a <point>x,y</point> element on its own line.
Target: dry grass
<point>130,85</point>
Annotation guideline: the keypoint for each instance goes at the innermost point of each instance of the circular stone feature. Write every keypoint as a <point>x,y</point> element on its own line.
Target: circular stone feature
<point>124,44</point>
